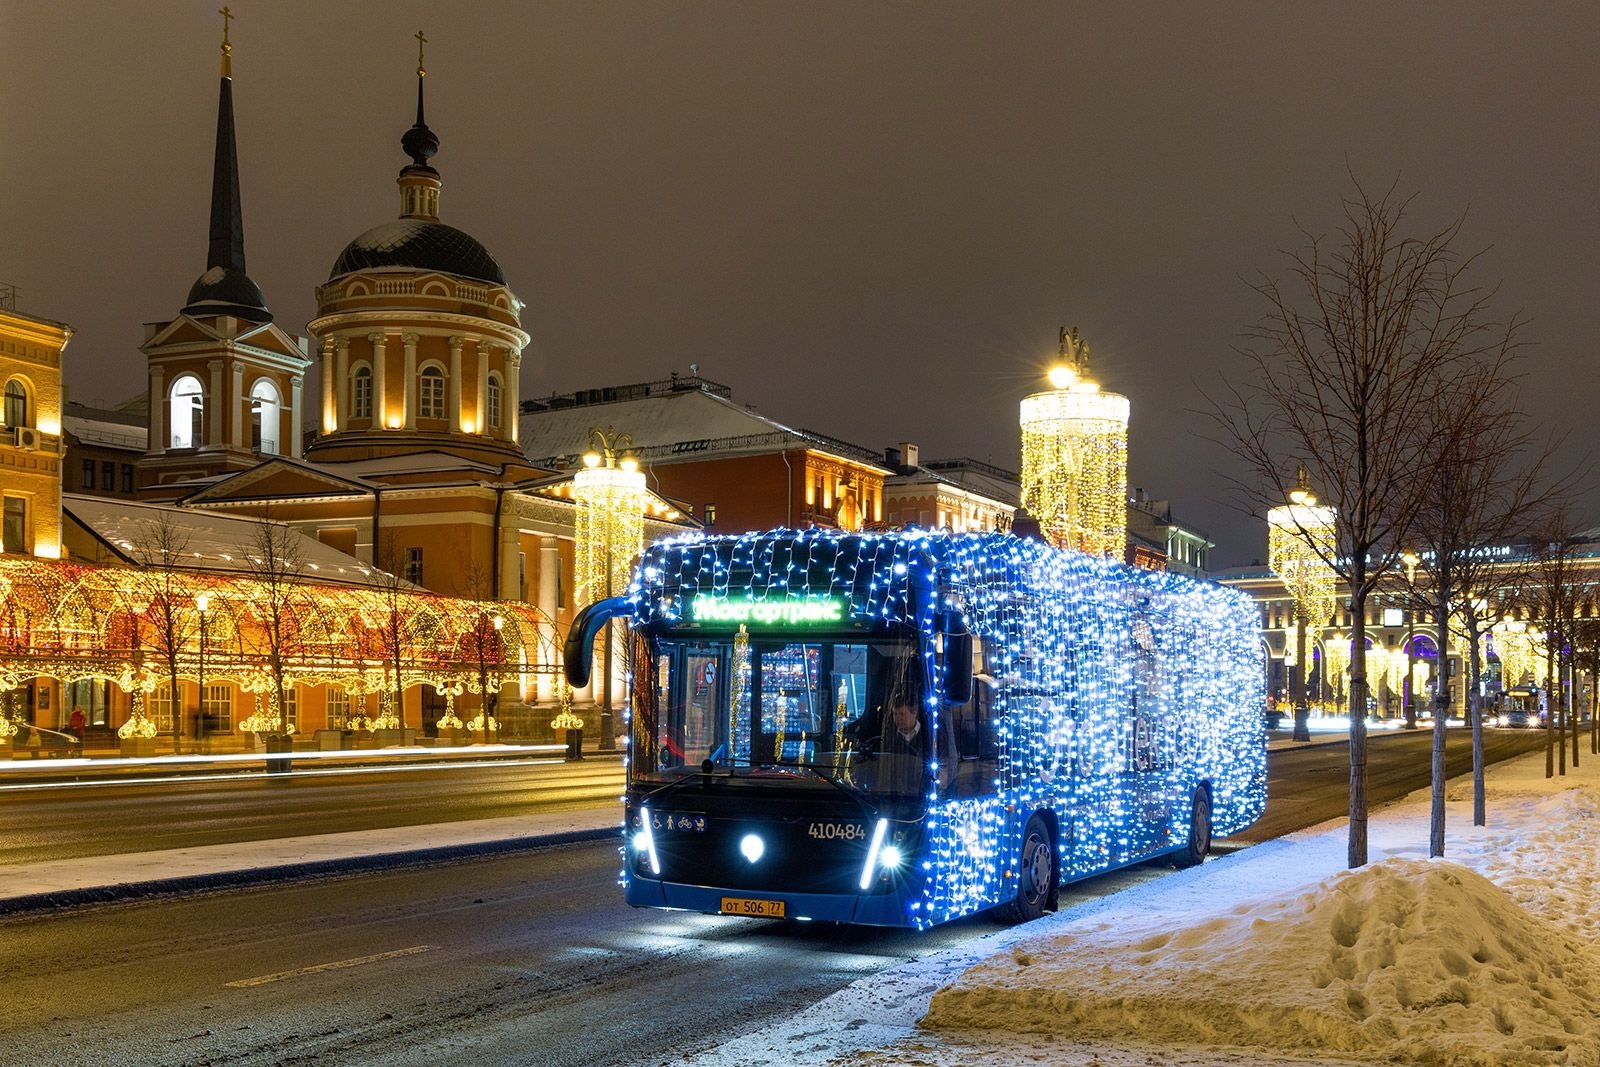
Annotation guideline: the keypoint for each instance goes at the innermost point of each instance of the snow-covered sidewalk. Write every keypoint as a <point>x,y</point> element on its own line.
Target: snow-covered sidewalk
<point>1275,955</point>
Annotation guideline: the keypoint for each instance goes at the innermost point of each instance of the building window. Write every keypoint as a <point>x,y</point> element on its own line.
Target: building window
<point>127,477</point>
<point>338,707</point>
<point>14,536</point>
<point>159,706</point>
<point>361,393</point>
<point>430,402</point>
<point>88,474</point>
<point>108,476</point>
<point>265,404</point>
<point>217,709</point>
<point>188,412</point>
<point>414,566</point>
<point>710,513</point>
<point>291,705</point>
<point>494,401</point>
<point>16,404</point>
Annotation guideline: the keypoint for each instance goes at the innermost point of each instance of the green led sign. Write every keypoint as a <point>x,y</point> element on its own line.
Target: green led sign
<point>793,611</point>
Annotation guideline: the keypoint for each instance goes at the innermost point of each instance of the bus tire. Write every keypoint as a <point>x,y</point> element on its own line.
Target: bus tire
<point>1199,843</point>
<point>1036,874</point>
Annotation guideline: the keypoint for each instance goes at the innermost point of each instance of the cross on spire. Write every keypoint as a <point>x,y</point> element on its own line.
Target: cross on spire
<point>422,72</point>
<point>227,46</point>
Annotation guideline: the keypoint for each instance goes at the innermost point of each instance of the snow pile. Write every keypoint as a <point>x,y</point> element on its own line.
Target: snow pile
<point>1404,960</point>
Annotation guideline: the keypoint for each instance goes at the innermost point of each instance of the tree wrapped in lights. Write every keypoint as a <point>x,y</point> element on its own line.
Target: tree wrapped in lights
<point>1075,458</point>
<point>611,496</point>
<point>1300,541</point>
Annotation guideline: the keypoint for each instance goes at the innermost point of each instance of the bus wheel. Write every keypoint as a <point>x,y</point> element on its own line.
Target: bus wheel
<point>1036,878</point>
<point>1199,843</point>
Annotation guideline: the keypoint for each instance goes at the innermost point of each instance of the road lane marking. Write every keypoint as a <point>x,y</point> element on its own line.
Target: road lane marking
<point>334,966</point>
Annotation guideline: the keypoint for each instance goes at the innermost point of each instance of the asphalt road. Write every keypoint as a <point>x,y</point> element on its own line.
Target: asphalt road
<point>1310,785</point>
<point>59,822</point>
<point>523,959</point>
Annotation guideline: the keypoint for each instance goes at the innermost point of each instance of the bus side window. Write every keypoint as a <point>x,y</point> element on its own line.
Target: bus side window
<point>977,733</point>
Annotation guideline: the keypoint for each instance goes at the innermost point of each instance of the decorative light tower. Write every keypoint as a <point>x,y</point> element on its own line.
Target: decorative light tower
<point>610,494</point>
<point>1300,541</point>
<point>1075,457</point>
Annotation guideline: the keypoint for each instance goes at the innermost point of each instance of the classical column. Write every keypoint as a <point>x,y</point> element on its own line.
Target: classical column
<point>410,417</point>
<point>295,385</point>
<point>454,399</point>
<point>549,579</point>
<point>330,399</point>
<point>211,417</point>
<point>159,441</point>
<point>239,410</point>
<point>341,382</point>
<point>513,393</point>
<point>482,420</point>
<point>380,414</point>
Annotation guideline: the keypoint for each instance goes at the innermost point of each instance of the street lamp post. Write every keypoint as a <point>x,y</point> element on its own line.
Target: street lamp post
<point>1300,541</point>
<point>202,603</point>
<point>610,494</point>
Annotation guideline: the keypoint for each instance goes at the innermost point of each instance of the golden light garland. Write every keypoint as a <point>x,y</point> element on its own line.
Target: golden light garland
<point>1075,459</point>
<point>73,622</point>
<point>1300,541</point>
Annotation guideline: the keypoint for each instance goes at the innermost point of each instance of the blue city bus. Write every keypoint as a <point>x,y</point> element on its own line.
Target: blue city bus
<point>898,729</point>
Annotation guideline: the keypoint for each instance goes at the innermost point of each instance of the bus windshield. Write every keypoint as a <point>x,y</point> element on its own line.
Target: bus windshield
<point>848,709</point>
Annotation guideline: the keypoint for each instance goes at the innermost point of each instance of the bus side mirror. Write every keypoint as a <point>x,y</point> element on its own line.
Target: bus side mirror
<point>577,652</point>
<point>958,668</point>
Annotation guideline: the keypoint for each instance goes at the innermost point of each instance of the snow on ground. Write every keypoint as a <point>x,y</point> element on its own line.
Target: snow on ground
<point>1275,955</point>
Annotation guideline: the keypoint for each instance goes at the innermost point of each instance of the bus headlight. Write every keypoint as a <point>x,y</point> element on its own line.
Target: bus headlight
<point>752,847</point>
<point>874,851</point>
<point>644,843</point>
<point>890,859</point>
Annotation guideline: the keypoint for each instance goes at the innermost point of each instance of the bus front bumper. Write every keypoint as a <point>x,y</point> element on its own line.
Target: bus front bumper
<point>865,909</point>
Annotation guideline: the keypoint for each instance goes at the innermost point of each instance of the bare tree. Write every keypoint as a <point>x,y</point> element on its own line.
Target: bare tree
<point>1554,606</point>
<point>166,584</point>
<point>1486,481</point>
<point>483,643</point>
<point>275,561</point>
<point>1342,367</point>
<point>392,587</point>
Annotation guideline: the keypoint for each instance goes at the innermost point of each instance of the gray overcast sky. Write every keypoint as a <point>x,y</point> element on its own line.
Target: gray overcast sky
<point>868,218</point>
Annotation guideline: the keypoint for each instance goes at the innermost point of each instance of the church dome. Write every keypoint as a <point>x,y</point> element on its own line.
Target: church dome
<point>419,244</point>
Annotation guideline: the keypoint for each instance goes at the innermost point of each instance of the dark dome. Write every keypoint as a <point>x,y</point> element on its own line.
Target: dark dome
<point>423,245</point>
<point>225,291</point>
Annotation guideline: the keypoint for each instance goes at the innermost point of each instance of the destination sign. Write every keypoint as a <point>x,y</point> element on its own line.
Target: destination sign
<point>793,611</point>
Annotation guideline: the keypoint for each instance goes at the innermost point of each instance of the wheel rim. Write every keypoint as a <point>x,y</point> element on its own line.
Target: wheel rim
<point>1038,867</point>
<point>1202,825</point>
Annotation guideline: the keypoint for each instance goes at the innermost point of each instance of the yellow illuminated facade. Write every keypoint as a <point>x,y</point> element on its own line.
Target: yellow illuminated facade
<point>30,433</point>
<point>1075,458</point>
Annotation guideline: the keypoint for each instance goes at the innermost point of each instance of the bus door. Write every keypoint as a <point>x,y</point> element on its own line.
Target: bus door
<point>1147,757</point>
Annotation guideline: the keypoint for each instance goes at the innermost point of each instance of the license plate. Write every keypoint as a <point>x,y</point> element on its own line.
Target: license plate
<point>763,909</point>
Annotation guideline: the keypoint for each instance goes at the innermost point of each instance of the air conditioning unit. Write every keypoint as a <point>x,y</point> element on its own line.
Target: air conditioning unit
<point>27,437</point>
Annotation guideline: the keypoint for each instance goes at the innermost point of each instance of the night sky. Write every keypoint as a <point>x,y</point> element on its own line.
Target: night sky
<point>869,219</point>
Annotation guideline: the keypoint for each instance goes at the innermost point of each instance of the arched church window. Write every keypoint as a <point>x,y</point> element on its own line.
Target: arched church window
<point>430,403</point>
<point>361,393</point>
<point>494,401</point>
<point>187,408</point>
<point>265,404</point>
<point>16,404</point>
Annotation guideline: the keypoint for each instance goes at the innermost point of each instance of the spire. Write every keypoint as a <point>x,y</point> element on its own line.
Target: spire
<point>419,183</point>
<point>225,288</point>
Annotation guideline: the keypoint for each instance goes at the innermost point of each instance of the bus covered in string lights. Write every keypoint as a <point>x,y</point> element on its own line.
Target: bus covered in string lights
<point>899,729</point>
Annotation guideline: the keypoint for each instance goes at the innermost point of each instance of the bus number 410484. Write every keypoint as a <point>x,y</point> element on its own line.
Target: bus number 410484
<point>837,831</point>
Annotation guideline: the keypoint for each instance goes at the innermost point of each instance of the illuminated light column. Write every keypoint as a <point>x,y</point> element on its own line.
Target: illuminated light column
<point>1300,541</point>
<point>1075,458</point>
<point>610,494</point>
